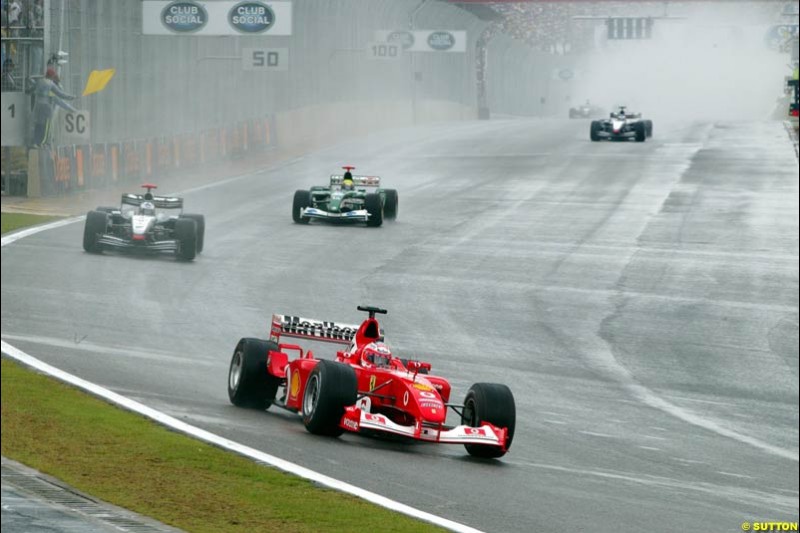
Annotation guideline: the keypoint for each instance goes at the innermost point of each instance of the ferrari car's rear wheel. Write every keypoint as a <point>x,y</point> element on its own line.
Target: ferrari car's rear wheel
<point>374,205</point>
<point>200,222</point>
<point>493,403</point>
<point>249,383</point>
<point>186,235</point>
<point>594,130</point>
<point>392,204</point>
<point>330,388</point>
<point>302,200</point>
<point>96,224</point>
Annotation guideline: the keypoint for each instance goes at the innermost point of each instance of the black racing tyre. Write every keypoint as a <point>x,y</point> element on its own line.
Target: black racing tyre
<point>95,226</point>
<point>374,206</point>
<point>594,130</point>
<point>330,387</point>
<point>186,235</point>
<point>392,205</point>
<point>405,364</point>
<point>640,129</point>
<point>249,383</point>
<point>302,200</point>
<point>493,403</point>
<point>200,222</point>
<point>107,209</point>
<point>649,127</point>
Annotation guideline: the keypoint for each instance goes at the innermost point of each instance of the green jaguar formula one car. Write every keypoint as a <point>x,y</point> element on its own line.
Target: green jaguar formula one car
<point>348,198</point>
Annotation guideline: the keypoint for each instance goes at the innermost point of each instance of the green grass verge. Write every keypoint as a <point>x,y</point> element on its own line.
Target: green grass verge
<point>12,221</point>
<point>130,461</point>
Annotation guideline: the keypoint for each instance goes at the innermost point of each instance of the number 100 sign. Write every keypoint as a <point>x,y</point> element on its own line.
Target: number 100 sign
<point>379,50</point>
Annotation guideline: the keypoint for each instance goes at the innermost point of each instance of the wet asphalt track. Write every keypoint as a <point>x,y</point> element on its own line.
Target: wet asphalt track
<point>641,300</point>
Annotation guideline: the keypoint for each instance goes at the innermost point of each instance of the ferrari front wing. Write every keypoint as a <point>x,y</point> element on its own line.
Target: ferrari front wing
<point>357,420</point>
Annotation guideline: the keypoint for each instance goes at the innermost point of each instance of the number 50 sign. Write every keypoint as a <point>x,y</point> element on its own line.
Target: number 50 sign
<point>262,59</point>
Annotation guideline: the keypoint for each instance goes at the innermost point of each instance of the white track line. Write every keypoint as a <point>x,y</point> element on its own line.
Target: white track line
<point>206,436</point>
<point>17,235</point>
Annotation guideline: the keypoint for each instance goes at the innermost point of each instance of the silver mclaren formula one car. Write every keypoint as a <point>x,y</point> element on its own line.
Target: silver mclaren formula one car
<point>621,126</point>
<point>145,223</point>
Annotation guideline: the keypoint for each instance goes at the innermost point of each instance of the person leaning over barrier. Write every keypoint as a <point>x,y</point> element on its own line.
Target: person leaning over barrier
<point>48,94</point>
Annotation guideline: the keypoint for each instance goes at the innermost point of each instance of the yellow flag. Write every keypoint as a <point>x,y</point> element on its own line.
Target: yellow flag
<point>98,79</point>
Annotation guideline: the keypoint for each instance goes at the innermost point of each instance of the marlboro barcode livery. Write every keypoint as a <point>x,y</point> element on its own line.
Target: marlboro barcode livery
<point>295,326</point>
<point>366,389</point>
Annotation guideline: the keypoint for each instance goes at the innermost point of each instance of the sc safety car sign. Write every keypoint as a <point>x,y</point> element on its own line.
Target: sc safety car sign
<point>75,127</point>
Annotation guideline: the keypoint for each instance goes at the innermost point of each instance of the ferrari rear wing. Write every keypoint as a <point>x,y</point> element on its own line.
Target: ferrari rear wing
<point>162,202</point>
<point>358,181</point>
<point>312,329</point>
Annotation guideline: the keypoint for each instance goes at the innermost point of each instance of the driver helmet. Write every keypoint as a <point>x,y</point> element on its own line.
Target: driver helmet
<point>347,181</point>
<point>377,354</point>
<point>147,208</point>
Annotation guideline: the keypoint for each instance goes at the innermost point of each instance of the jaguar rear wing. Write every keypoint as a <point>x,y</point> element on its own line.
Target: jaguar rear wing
<point>161,202</point>
<point>358,181</point>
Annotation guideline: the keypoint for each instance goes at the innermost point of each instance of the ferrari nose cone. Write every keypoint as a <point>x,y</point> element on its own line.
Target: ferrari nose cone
<point>431,406</point>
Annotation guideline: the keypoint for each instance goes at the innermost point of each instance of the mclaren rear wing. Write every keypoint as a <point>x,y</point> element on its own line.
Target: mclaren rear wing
<point>358,181</point>
<point>312,329</point>
<point>162,202</point>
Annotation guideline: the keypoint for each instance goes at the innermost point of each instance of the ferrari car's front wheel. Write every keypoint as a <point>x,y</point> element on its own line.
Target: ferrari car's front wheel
<point>330,388</point>
<point>374,204</point>
<point>302,200</point>
<point>249,383</point>
<point>493,403</point>
<point>96,224</point>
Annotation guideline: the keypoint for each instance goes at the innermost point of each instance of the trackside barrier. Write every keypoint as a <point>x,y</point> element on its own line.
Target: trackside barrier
<point>99,169</point>
<point>92,166</point>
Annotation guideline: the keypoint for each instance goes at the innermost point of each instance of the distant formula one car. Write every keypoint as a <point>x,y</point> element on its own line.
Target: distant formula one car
<point>365,389</point>
<point>587,110</point>
<point>348,198</point>
<point>144,223</point>
<point>621,126</point>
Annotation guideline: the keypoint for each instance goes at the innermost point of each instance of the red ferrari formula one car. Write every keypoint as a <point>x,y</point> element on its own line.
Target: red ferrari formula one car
<point>365,389</point>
